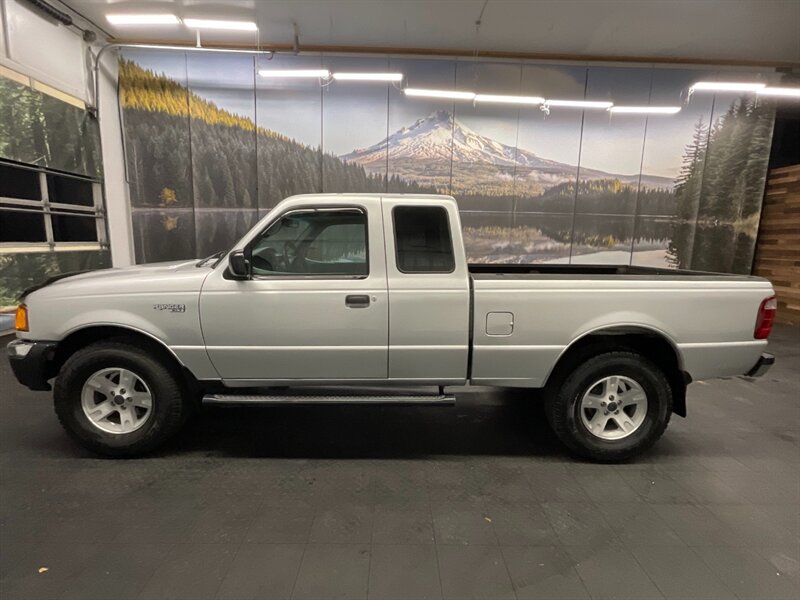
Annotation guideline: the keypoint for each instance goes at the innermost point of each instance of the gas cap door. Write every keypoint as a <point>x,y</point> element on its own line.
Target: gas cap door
<point>499,323</point>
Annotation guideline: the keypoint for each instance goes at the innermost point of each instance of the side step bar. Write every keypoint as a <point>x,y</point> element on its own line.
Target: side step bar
<point>441,399</point>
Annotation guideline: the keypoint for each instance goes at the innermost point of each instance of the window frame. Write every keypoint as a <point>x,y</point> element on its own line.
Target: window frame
<point>47,209</point>
<point>248,250</point>
<point>449,235</point>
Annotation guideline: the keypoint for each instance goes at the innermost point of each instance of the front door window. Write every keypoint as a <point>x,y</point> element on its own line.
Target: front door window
<point>313,243</point>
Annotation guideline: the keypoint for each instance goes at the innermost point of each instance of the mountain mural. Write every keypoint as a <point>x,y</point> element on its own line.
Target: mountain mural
<point>438,138</point>
<point>200,175</point>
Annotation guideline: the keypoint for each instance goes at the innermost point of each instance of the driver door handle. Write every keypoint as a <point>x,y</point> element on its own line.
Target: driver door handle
<point>356,301</point>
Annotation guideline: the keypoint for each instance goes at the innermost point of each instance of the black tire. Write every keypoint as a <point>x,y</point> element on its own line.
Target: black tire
<point>169,406</point>
<point>563,406</point>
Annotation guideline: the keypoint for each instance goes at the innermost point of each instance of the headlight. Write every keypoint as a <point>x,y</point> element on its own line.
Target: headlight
<point>21,320</point>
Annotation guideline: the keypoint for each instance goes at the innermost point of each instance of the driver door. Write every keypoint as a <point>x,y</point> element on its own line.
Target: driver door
<point>316,306</point>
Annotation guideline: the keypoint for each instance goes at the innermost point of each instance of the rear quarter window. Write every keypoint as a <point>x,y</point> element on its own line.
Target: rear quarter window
<point>422,239</point>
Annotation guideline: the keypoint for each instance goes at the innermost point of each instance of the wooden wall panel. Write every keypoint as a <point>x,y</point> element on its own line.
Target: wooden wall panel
<point>778,246</point>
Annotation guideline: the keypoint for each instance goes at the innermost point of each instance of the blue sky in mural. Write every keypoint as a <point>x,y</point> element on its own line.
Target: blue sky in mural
<point>225,79</point>
<point>355,114</point>
<point>287,106</point>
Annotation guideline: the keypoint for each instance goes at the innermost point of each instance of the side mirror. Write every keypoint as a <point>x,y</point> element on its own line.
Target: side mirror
<point>238,265</point>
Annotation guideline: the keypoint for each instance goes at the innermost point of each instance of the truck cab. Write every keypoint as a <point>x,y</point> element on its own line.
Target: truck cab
<point>343,289</point>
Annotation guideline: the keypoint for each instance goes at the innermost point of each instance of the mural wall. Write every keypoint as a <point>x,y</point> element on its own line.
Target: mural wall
<point>212,146</point>
<point>39,130</point>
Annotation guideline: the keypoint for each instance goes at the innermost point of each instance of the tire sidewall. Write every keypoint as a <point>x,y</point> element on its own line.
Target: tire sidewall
<point>81,367</point>
<point>659,405</point>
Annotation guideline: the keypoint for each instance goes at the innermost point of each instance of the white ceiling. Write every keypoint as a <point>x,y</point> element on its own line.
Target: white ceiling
<point>740,30</point>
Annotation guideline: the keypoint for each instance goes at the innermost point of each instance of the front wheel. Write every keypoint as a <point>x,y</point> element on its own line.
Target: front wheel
<point>611,407</point>
<point>116,399</point>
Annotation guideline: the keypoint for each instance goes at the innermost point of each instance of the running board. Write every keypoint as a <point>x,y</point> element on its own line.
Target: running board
<point>443,400</point>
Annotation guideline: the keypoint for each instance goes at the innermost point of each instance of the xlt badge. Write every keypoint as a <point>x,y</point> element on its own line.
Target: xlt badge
<point>177,308</point>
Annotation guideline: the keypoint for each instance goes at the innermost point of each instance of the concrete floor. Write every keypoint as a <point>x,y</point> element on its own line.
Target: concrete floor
<point>479,501</point>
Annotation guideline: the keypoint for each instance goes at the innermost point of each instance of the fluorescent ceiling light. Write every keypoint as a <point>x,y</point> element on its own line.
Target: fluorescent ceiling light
<point>786,92</point>
<point>217,24</point>
<point>727,86</point>
<point>296,73</point>
<point>163,19</point>
<point>452,94</point>
<point>646,110</point>
<point>578,103</point>
<point>508,99</point>
<point>368,76</point>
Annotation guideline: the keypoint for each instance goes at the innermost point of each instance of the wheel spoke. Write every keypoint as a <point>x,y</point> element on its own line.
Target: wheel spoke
<point>127,380</point>
<point>142,399</point>
<point>612,385</point>
<point>633,397</point>
<point>127,418</point>
<point>101,384</point>
<point>624,422</point>
<point>102,410</point>
<point>598,421</point>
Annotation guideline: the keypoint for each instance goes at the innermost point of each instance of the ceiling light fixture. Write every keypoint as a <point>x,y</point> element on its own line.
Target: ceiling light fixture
<point>295,73</point>
<point>368,76</point>
<point>646,110</point>
<point>509,99</point>
<point>578,103</point>
<point>727,86</point>
<point>162,19</point>
<point>451,94</point>
<point>217,24</point>
<point>785,92</point>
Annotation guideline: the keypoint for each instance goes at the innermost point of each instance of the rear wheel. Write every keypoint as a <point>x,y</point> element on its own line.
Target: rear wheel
<point>611,407</point>
<point>116,399</point>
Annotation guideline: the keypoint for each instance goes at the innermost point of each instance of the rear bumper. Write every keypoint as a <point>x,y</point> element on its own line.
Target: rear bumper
<point>30,362</point>
<point>765,361</point>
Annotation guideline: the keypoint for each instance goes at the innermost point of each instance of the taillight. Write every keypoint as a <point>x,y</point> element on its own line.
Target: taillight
<point>765,318</point>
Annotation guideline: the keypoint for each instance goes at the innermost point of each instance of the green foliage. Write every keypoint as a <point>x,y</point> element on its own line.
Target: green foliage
<point>601,196</point>
<point>41,130</point>
<point>20,271</point>
<point>720,189</point>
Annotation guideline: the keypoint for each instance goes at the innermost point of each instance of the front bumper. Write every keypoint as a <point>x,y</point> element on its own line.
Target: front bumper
<point>765,361</point>
<point>30,362</point>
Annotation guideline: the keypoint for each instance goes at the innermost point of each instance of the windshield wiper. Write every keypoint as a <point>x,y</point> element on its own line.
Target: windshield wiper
<point>216,255</point>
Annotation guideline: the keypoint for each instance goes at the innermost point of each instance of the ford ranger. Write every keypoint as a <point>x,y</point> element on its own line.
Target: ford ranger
<point>352,290</point>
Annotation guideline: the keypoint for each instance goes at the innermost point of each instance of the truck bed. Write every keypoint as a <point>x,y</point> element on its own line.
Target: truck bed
<point>708,318</point>
<point>534,271</point>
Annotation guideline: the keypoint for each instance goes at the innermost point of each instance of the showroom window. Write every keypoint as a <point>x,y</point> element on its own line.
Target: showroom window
<point>313,242</point>
<point>46,210</point>
<point>422,237</point>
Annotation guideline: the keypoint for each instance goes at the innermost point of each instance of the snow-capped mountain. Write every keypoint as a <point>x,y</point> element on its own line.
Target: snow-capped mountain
<point>432,138</point>
<point>438,137</point>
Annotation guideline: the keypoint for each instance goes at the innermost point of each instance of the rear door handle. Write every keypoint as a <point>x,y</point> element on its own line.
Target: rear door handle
<point>356,301</point>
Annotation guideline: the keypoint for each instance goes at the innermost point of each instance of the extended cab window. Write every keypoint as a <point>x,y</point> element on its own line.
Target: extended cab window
<point>313,242</point>
<point>422,238</point>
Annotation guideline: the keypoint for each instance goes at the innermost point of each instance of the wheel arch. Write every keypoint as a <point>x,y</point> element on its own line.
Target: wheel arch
<point>642,339</point>
<point>83,336</point>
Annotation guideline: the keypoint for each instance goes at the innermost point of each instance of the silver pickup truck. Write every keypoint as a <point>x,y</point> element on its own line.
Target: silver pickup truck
<point>356,290</point>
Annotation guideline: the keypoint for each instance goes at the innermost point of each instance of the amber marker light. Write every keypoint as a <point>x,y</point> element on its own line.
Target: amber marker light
<point>21,319</point>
